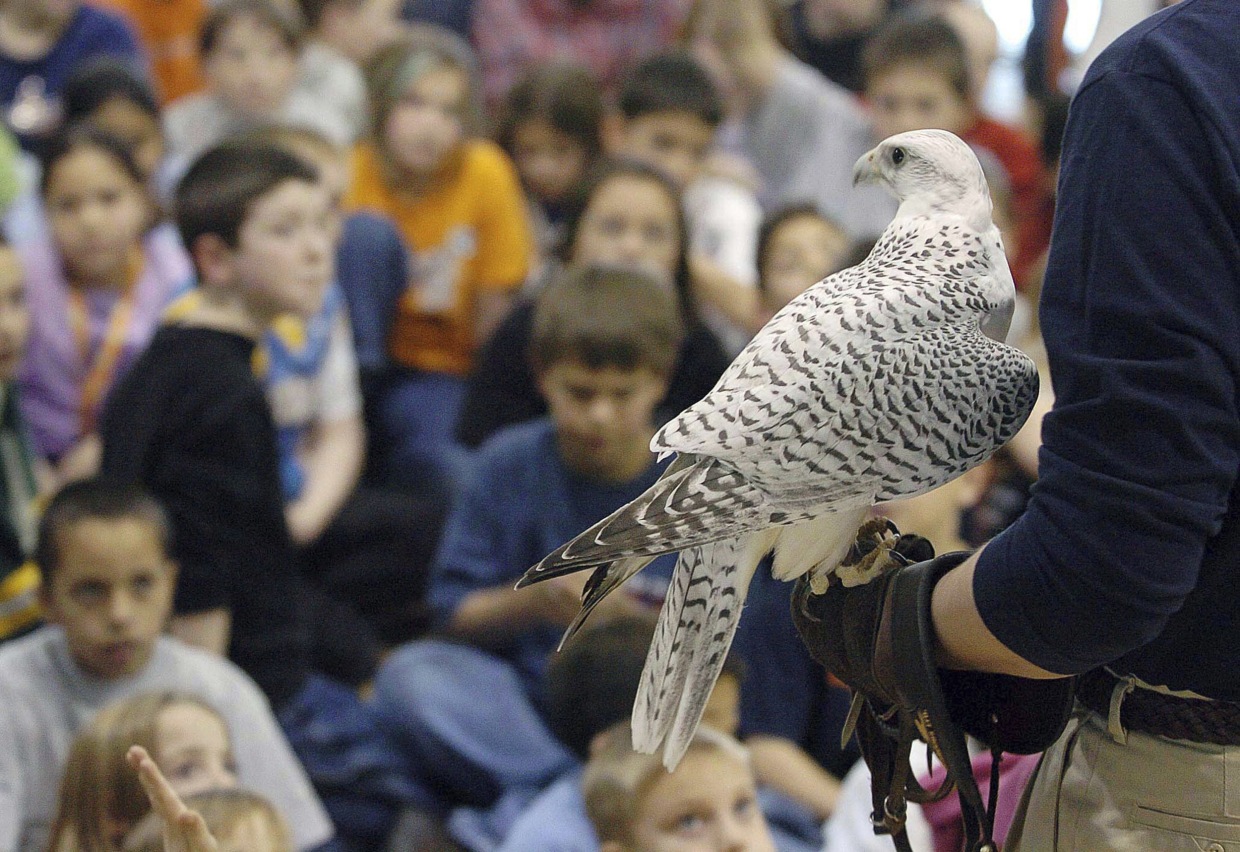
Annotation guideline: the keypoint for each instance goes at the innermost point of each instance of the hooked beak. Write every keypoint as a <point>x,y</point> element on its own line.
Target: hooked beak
<point>865,170</point>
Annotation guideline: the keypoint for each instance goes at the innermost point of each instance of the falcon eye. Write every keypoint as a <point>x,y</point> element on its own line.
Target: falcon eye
<point>897,155</point>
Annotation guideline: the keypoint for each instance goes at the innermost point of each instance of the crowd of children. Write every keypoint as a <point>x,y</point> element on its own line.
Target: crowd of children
<point>320,324</point>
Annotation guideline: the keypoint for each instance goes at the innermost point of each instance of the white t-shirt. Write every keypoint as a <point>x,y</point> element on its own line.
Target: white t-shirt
<point>45,699</point>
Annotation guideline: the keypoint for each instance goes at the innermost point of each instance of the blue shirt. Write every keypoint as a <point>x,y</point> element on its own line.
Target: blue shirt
<point>521,504</point>
<point>91,32</point>
<point>1141,316</point>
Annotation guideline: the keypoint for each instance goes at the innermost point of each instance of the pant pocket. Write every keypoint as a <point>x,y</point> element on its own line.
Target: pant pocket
<point>1196,833</point>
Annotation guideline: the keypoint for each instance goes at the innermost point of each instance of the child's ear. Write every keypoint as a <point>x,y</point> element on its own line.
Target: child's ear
<point>213,260</point>
<point>613,130</point>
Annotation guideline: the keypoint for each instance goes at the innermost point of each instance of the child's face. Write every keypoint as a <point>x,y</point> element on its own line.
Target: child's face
<point>284,258</point>
<point>333,169</point>
<point>112,593</point>
<point>136,128</point>
<point>914,97</point>
<point>550,161</point>
<point>193,751</point>
<point>97,212</point>
<point>425,125</point>
<point>602,416</point>
<point>723,707</point>
<point>14,314</point>
<point>252,68</point>
<point>630,221</point>
<point>675,142</point>
<point>709,804</point>
<point>802,251</point>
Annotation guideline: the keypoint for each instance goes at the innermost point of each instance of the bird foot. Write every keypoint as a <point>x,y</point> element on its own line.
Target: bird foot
<point>870,555</point>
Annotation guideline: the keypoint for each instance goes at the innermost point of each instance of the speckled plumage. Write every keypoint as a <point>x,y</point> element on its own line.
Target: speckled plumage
<point>876,383</point>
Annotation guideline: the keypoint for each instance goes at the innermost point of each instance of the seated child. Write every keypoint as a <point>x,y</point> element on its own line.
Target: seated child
<point>458,202</point>
<point>107,590</point>
<point>710,801</point>
<point>19,578</point>
<point>41,43</point>
<point>468,708</point>
<point>250,50</point>
<point>109,95</point>
<point>669,110</point>
<point>591,686</point>
<point>917,76</point>
<point>800,131</point>
<point>101,799</point>
<point>551,126</point>
<point>258,223</point>
<point>96,284</point>
<point>627,214</point>
<point>797,248</point>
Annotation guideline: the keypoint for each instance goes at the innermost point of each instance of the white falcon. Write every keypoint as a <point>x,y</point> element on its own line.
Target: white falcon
<point>882,381</point>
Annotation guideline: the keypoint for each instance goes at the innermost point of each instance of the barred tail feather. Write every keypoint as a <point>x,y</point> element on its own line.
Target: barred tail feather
<point>691,641</point>
<point>602,582</point>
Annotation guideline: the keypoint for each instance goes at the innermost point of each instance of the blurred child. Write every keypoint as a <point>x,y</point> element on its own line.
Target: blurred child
<point>669,110</point>
<point>19,578</point>
<point>469,708</point>
<point>259,225</point>
<point>551,126</point>
<point>227,821</point>
<point>101,798</point>
<point>107,589</point>
<point>797,248</point>
<point>801,132</point>
<point>917,76</point>
<point>709,803</point>
<point>250,50</point>
<point>625,214</point>
<point>458,202</point>
<point>41,43</point>
<point>96,284</point>
<point>591,686</point>
<point>108,94</point>
<point>366,550</point>
<point>342,36</point>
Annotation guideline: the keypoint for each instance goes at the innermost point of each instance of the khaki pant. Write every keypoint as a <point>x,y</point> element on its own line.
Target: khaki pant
<point>1150,794</point>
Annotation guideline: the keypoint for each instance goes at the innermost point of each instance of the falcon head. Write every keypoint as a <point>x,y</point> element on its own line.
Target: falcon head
<point>929,170</point>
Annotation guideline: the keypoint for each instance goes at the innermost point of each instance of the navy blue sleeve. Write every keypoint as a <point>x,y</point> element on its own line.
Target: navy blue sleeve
<point>1139,314</point>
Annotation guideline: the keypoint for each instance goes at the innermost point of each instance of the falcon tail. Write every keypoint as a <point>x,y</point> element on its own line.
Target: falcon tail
<point>697,500</point>
<point>691,641</point>
<point>602,582</point>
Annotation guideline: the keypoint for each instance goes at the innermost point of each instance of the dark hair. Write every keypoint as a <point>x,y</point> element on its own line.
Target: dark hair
<point>97,498</point>
<point>267,13</point>
<point>606,316</point>
<point>922,38</point>
<point>217,192</point>
<point>99,81</point>
<point>312,10</point>
<point>604,172</point>
<point>774,221</point>
<point>64,142</point>
<point>592,683</point>
<point>564,94</point>
<point>671,81</point>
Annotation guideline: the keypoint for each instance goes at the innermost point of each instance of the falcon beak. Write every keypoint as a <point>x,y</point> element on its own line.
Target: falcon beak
<point>865,170</point>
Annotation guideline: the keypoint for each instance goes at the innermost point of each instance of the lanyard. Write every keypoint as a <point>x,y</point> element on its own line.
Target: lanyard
<point>101,364</point>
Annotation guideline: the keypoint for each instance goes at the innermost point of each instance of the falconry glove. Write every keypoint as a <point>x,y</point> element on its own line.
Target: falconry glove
<point>878,638</point>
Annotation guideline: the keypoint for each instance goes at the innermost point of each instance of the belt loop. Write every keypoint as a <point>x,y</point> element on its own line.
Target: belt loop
<point>1115,727</point>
